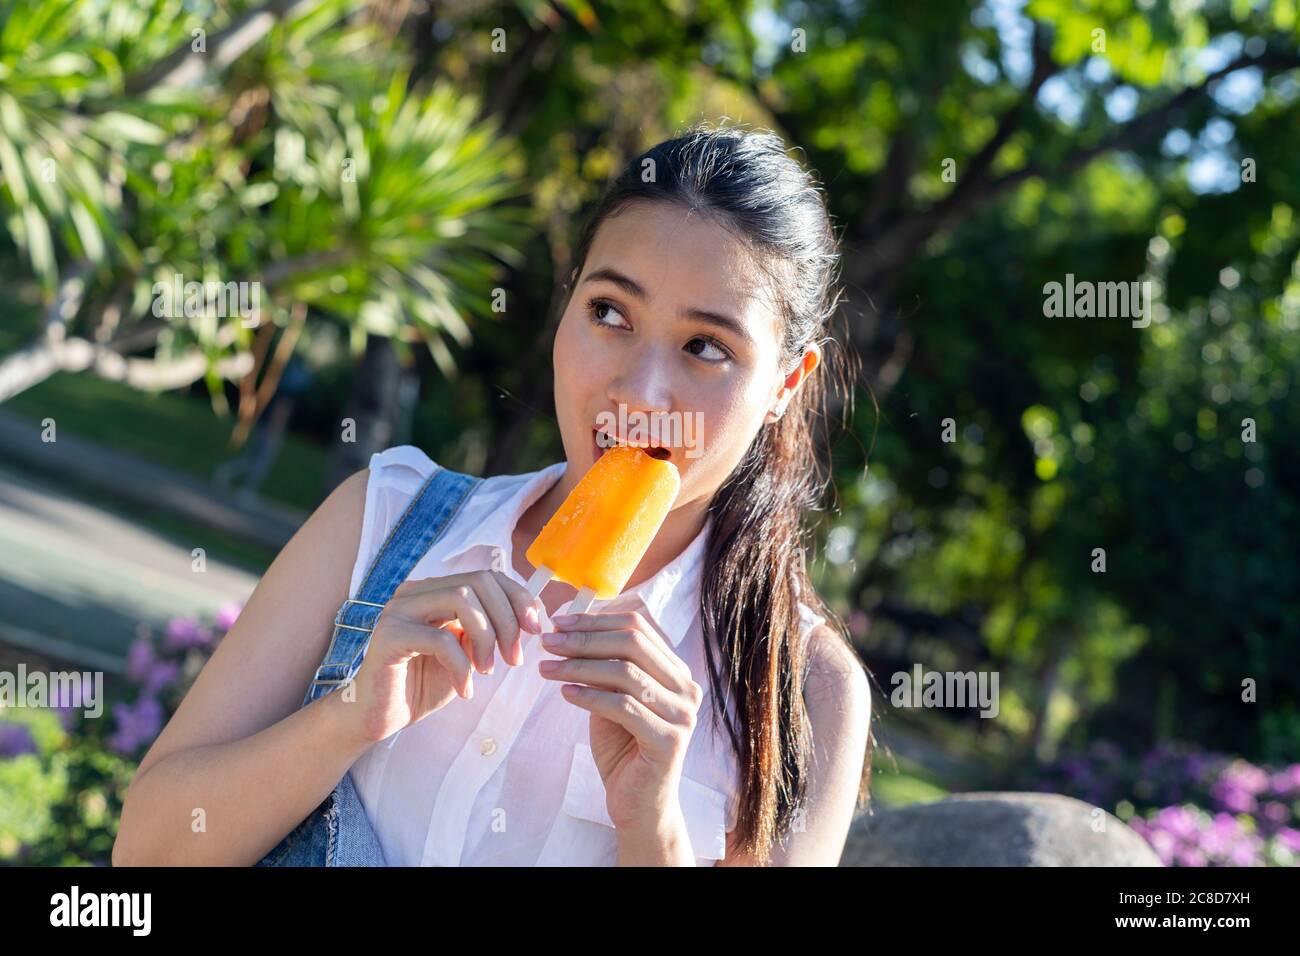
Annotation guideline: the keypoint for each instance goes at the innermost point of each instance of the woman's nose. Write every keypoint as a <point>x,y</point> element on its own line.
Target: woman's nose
<point>643,385</point>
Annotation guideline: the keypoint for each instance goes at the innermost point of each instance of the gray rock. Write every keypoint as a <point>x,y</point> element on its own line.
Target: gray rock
<point>995,829</point>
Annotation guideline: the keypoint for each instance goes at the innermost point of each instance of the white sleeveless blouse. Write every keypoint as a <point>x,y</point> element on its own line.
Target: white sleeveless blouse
<point>507,778</point>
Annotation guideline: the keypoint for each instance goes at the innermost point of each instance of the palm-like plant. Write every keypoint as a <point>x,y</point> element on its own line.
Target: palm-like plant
<point>403,209</point>
<point>303,168</point>
<point>67,128</point>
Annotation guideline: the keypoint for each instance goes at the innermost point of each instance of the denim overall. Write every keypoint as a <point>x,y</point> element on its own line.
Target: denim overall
<point>338,833</point>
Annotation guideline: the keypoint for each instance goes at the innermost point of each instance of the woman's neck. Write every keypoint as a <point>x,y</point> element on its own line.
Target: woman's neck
<point>675,535</point>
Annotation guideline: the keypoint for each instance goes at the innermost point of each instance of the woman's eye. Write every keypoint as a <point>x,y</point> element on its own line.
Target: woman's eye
<point>598,311</point>
<point>720,352</point>
<point>594,308</point>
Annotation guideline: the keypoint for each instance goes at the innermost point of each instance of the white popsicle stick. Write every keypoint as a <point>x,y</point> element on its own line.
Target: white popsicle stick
<point>582,601</point>
<point>539,580</point>
<point>543,575</point>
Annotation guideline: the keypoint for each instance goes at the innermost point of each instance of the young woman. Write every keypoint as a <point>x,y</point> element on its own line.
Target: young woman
<point>708,715</point>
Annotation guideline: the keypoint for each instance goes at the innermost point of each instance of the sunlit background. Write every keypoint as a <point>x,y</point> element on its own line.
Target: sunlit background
<point>1101,511</point>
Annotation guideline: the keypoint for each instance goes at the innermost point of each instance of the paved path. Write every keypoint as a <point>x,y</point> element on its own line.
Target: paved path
<point>75,580</point>
<point>131,478</point>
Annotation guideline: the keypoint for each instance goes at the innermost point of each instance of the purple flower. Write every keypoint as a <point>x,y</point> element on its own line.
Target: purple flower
<point>15,740</point>
<point>1215,840</point>
<point>139,659</point>
<point>1289,838</point>
<point>1247,776</point>
<point>136,726</point>
<point>161,674</point>
<point>1279,784</point>
<point>1229,792</point>
<point>1226,823</point>
<point>1196,767</point>
<point>184,633</point>
<point>1164,844</point>
<point>1240,787</point>
<point>227,613</point>
<point>1180,821</point>
<point>1186,835</point>
<point>1276,813</point>
<point>1286,783</point>
<point>1194,807</point>
<point>1246,852</point>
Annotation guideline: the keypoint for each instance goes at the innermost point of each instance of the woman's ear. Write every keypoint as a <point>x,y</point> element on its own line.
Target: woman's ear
<point>810,360</point>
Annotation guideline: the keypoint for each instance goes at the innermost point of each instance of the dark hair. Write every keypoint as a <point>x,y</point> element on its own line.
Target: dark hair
<point>754,573</point>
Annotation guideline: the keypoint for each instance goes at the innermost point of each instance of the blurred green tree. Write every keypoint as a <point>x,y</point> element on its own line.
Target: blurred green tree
<point>971,151</point>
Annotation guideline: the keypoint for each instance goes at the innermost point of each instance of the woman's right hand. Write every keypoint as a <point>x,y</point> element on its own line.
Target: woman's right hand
<point>427,637</point>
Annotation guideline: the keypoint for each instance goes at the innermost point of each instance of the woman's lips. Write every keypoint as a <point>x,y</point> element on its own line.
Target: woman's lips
<point>602,441</point>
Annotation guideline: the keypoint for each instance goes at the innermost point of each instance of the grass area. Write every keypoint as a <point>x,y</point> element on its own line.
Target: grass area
<point>167,428</point>
<point>930,758</point>
<point>221,546</point>
<point>899,781</point>
<point>174,429</point>
<point>171,429</point>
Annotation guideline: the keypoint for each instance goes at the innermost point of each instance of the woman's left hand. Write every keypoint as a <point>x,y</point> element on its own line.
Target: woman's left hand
<point>643,703</point>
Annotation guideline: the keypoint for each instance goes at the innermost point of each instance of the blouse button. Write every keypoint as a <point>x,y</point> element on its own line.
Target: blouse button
<point>488,747</point>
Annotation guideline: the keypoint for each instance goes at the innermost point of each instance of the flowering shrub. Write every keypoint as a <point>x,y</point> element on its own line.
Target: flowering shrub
<point>1195,807</point>
<point>16,739</point>
<point>161,672</point>
<point>63,775</point>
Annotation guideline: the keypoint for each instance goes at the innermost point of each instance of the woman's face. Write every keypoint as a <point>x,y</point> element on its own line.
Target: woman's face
<point>637,336</point>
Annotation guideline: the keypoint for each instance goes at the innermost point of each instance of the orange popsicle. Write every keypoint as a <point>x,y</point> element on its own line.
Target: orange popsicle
<point>599,535</point>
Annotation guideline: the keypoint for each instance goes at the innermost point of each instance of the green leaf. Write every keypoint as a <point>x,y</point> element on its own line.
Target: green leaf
<point>130,128</point>
<point>40,247</point>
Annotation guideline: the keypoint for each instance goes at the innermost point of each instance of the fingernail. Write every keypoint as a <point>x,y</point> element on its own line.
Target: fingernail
<point>532,622</point>
<point>552,639</point>
<point>565,619</point>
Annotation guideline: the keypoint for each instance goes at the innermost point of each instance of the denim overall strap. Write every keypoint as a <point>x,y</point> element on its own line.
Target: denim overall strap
<point>430,512</point>
<point>337,832</point>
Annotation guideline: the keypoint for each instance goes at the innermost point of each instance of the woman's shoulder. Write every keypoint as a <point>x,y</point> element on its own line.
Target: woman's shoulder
<point>833,664</point>
<point>402,467</point>
<point>406,468</point>
<point>809,620</point>
<point>394,477</point>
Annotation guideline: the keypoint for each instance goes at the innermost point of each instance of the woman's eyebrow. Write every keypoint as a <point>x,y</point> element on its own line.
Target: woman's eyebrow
<point>634,288</point>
